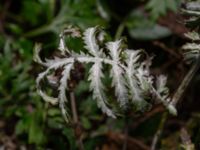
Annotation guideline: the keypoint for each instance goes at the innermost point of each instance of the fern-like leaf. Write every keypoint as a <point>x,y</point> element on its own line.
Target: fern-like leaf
<point>47,98</point>
<point>192,50</point>
<point>131,77</point>
<point>132,58</point>
<point>62,90</point>
<point>117,73</point>
<point>90,41</point>
<point>97,87</point>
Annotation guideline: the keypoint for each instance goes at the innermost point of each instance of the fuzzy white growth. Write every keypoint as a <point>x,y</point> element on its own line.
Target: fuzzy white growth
<point>101,36</point>
<point>132,58</point>
<point>114,49</point>
<point>161,83</point>
<point>130,77</point>
<point>90,41</point>
<point>61,46</point>
<point>117,73</point>
<point>97,87</point>
<point>144,77</point>
<point>36,52</point>
<point>47,98</point>
<point>192,50</point>
<point>62,89</point>
<point>74,32</point>
<point>193,36</point>
<point>191,46</point>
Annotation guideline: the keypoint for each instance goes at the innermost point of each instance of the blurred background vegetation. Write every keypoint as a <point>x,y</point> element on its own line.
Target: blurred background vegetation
<point>27,122</point>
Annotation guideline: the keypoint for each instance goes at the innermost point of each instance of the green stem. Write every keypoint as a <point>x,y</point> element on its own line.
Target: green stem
<point>119,31</point>
<point>52,26</point>
<point>38,31</point>
<point>159,131</point>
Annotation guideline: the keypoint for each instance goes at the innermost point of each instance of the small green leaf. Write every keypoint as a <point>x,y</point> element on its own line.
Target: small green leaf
<point>55,123</point>
<point>35,132</point>
<point>142,28</point>
<point>86,123</point>
<point>14,28</point>
<point>160,7</point>
<point>70,136</point>
<point>31,16</point>
<point>53,112</point>
<point>149,33</point>
<point>21,127</point>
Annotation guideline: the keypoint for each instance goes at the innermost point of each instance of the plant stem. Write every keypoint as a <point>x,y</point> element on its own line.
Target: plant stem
<point>177,96</point>
<point>186,81</point>
<point>54,25</point>
<point>73,107</point>
<point>38,31</point>
<point>159,131</point>
<point>119,31</point>
<point>77,128</point>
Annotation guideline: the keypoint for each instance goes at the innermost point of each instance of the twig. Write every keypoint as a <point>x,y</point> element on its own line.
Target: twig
<point>73,107</point>
<point>186,81</point>
<point>159,131</point>
<point>165,48</point>
<point>176,98</point>
<point>131,142</point>
<point>77,128</point>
